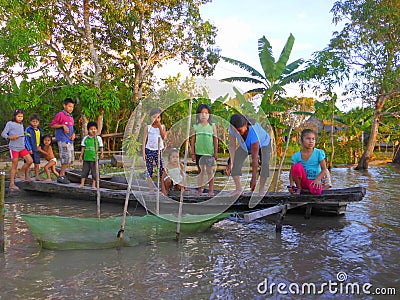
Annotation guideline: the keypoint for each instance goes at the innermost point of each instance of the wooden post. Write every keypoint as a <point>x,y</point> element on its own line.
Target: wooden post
<point>178,227</point>
<point>158,176</point>
<point>281,216</point>
<point>2,196</point>
<point>307,214</point>
<point>96,148</point>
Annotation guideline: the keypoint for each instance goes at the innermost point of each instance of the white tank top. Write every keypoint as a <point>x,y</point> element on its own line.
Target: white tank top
<point>152,138</point>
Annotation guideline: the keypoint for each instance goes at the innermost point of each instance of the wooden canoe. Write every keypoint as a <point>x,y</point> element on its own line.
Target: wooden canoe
<point>331,201</point>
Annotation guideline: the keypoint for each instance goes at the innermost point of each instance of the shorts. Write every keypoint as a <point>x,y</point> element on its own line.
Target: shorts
<point>240,156</point>
<point>66,152</point>
<point>16,154</point>
<point>35,157</point>
<point>89,166</point>
<point>207,160</point>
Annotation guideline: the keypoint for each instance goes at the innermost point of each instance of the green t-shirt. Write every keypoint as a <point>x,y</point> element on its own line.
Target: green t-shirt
<point>204,139</point>
<point>88,143</point>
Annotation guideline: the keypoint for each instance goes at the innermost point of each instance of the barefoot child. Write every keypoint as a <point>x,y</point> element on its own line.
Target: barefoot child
<point>309,166</point>
<point>47,151</point>
<point>253,140</point>
<point>204,147</point>
<point>14,132</point>
<point>33,137</point>
<point>152,134</point>
<point>173,176</point>
<point>90,146</point>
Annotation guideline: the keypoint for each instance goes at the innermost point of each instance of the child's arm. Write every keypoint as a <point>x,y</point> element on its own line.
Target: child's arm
<point>41,150</point>
<point>163,131</point>
<point>144,143</point>
<point>101,146</point>
<point>215,141</point>
<point>232,145</point>
<point>192,148</point>
<point>184,185</point>
<point>163,187</point>
<point>81,155</point>
<point>317,181</point>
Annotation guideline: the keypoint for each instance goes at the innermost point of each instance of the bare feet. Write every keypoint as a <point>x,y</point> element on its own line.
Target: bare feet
<point>210,194</point>
<point>14,188</point>
<point>38,179</point>
<point>80,186</point>
<point>27,179</point>
<point>48,180</point>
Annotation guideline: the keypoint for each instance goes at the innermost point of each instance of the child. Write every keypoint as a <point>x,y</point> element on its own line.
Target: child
<point>152,134</point>
<point>88,154</point>
<point>309,166</point>
<point>47,151</point>
<point>173,176</point>
<point>14,132</point>
<point>204,147</point>
<point>253,140</point>
<point>63,123</point>
<point>33,137</point>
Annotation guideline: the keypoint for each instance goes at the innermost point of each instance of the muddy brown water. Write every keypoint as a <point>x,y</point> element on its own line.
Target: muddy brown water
<point>335,256</point>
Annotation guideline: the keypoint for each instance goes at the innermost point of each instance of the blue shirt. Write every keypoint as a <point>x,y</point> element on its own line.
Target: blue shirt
<point>256,134</point>
<point>63,118</point>
<point>312,165</point>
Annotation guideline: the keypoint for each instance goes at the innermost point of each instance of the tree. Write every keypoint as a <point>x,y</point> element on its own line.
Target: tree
<point>369,47</point>
<point>94,46</point>
<point>273,79</point>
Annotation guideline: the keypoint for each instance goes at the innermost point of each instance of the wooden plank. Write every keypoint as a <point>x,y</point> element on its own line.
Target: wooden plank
<point>269,211</point>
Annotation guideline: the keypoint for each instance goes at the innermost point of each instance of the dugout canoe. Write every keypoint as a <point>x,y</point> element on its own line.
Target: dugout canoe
<point>331,201</point>
<point>66,233</point>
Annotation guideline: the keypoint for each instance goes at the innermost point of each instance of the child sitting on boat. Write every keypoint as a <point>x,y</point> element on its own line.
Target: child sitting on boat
<point>47,151</point>
<point>309,166</point>
<point>173,176</point>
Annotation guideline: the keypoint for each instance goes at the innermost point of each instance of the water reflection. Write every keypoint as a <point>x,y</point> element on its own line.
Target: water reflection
<point>227,262</point>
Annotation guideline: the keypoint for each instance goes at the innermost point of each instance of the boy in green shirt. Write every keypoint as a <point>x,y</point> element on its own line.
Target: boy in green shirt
<point>88,154</point>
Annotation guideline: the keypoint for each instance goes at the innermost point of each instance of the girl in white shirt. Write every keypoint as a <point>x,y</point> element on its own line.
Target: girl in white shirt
<point>152,136</point>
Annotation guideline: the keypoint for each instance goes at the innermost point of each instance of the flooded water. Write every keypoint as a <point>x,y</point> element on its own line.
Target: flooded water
<point>339,256</point>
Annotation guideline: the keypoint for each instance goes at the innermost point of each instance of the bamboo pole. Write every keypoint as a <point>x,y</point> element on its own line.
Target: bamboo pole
<point>120,233</point>
<point>284,154</point>
<point>2,196</point>
<point>178,228</point>
<point>158,176</point>
<point>96,159</point>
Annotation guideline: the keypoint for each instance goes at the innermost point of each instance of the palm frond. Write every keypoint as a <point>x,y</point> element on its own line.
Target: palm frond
<point>243,66</point>
<point>243,79</point>
<point>266,58</point>
<point>293,66</point>
<point>284,57</point>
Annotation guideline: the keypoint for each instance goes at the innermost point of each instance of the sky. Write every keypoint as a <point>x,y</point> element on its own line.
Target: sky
<point>241,23</point>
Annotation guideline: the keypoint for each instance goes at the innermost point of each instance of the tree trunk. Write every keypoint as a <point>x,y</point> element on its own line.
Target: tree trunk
<point>369,150</point>
<point>396,156</point>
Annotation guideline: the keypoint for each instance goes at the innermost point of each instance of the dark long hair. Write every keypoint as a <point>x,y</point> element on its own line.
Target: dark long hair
<point>198,112</point>
<point>15,113</point>
<point>239,120</point>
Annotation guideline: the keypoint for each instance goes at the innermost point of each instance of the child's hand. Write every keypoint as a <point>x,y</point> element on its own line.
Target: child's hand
<point>193,157</point>
<point>316,183</point>
<point>80,158</point>
<point>66,129</point>
<point>253,183</point>
<point>101,155</point>
<point>228,170</point>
